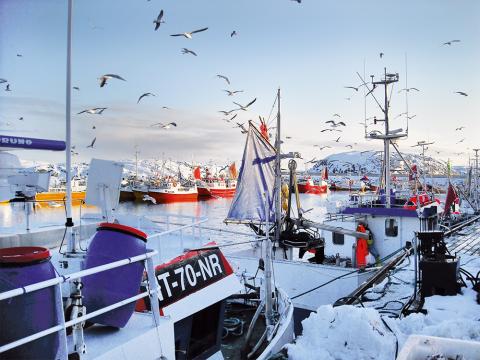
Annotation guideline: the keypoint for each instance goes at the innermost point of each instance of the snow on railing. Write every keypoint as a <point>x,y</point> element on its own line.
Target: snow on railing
<point>151,293</point>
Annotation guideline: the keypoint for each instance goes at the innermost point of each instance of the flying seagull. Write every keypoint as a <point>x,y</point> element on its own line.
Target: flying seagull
<point>188,51</point>
<point>450,42</point>
<point>458,142</point>
<point>233,33</point>
<point>460,128</point>
<point>337,115</point>
<point>351,87</point>
<point>94,111</point>
<point>408,89</point>
<point>103,79</point>
<point>20,118</point>
<point>164,126</point>
<point>231,93</point>
<point>94,127</point>
<point>76,88</point>
<point>338,139</point>
<point>334,124</point>
<point>3,81</point>
<point>242,127</point>
<point>298,1</point>
<point>92,143</point>
<point>411,117</point>
<point>322,147</point>
<point>349,146</point>
<point>329,129</point>
<point>147,197</point>
<point>224,78</point>
<point>158,21</point>
<point>19,55</point>
<point>244,108</point>
<point>226,113</point>
<point>348,99</point>
<point>381,55</point>
<point>233,117</point>
<point>461,93</point>
<point>188,35</point>
<point>7,88</point>
<point>143,95</point>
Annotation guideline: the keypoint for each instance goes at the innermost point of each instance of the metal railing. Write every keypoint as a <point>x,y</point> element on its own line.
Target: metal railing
<point>63,325</point>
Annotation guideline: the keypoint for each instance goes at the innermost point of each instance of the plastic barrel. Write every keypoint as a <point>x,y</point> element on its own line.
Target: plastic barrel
<point>27,314</point>
<point>113,242</point>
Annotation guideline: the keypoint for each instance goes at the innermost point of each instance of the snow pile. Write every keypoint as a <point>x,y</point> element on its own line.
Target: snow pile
<point>344,332</point>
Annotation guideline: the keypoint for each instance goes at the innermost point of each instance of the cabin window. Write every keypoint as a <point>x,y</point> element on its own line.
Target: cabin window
<point>391,227</point>
<point>338,239</point>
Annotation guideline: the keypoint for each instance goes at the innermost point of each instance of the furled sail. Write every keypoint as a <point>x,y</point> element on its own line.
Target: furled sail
<point>255,181</point>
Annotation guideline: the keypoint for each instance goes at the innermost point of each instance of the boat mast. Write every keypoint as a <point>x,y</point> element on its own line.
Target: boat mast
<point>278,176</point>
<point>476,178</point>
<point>71,243</point>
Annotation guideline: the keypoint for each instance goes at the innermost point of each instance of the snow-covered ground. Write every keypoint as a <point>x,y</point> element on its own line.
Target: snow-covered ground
<point>374,332</point>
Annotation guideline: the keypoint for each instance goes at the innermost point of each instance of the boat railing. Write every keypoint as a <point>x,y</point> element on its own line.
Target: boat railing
<point>63,324</point>
<point>376,200</point>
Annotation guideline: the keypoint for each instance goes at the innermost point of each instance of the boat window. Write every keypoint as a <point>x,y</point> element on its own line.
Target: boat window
<point>391,227</point>
<point>338,239</point>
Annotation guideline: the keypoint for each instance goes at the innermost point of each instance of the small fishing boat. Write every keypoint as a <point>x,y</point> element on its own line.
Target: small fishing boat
<point>173,191</point>
<point>307,185</point>
<point>220,186</point>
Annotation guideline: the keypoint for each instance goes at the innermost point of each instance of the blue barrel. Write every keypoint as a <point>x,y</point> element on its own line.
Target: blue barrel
<point>27,314</point>
<point>113,242</point>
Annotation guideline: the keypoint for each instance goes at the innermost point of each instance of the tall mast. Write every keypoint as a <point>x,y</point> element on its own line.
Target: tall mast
<point>278,176</point>
<point>476,178</point>
<point>71,243</point>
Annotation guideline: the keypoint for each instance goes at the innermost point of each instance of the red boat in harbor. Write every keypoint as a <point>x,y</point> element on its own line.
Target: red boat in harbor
<point>216,187</point>
<point>173,192</point>
<point>308,185</point>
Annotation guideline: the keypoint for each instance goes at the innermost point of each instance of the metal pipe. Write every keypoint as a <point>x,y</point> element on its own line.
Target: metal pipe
<point>337,229</point>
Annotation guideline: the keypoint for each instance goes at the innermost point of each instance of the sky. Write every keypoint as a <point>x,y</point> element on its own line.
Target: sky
<point>311,51</point>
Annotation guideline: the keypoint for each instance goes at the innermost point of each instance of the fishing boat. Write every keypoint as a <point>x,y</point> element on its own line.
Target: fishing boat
<point>173,191</point>
<point>58,193</point>
<point>307,185</point>
<point>220,186</point>
<point>126,193</point>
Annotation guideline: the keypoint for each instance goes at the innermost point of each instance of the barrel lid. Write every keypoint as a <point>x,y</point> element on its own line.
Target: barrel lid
<point>123,228</point>
<point>23,254</point>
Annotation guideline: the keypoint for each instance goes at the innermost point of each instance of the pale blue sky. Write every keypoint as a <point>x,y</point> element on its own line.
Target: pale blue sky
<point>311,50</point>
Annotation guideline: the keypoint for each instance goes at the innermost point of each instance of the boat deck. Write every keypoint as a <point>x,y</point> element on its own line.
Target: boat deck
<point>466,241</point>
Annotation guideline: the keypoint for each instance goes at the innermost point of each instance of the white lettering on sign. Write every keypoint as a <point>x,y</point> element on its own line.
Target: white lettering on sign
<point>215,262</point>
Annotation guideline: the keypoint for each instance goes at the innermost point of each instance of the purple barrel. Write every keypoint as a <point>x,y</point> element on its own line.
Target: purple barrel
<point>113,242</point>
<point>30,313</point>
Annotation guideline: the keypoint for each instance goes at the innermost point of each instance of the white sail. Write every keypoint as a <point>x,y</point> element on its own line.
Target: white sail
<point>256,180</point>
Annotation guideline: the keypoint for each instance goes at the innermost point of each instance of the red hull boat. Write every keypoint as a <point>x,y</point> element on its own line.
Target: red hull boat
<point>308,186</point>
<point>217,188</point>
<point>174,193</point>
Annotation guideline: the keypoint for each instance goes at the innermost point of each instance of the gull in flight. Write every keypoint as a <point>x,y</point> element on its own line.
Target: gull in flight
<point>461,93</point>
<point>7,88</point>
<point>226,113</point>
<point>460,128</point>
<point>76,88</point>
<point>330,129</point>
<point>103,79</point>
<point>188,35</point>
<point>94,111</point>
<point>188,51</point>
<point>322,147</point>
<point>233,117</point>
<point>381,55</point>
<point>145,94</point>
<point>158,21</point>
<point>408,89</point>
<point>337,115</point>
<point>231,93</point>
<point>242,127</point>
<point>244,108</point>
<point>450,42</point>
<point>334,124</point>
<point>461,141</point>
<point>92,143</point>
<point>164,126</point>
<point>233,33</point>
<point>351,87</point>
<point>147,197</point>
<point>338,139</point>
<point>3,81</point>
<point>404,113</point>
<point>220,76</point>
<point>411,117</point>
<point>349,146</point>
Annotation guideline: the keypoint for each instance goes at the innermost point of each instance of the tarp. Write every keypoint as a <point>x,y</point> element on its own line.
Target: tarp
<point>255,181</point>
<point>8,142</point>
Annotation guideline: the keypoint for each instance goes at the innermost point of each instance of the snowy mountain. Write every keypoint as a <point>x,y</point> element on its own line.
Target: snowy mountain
<point>369,162</point>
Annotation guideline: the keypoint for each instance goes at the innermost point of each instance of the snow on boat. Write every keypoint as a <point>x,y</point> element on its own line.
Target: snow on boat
<point>309,186</point>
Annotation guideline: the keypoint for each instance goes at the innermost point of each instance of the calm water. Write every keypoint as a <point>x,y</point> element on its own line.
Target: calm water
<point>13,218</point>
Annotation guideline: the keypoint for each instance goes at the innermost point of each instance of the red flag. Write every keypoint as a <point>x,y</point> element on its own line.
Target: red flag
<point>196,173</point>
<point>233,171</point>
<point>264,130</point>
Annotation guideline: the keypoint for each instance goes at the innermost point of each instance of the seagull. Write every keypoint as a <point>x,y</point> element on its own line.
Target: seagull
<point>145,94</point>
<point>224,78</point>
<point>226,113</point>
<point>411,117</point>
<point>20,118</point>
<point>94,111</point>
<point>165,107</point>
<point>312,161</point>
<point>334,124</point>
<point>158,21</point>
<point>329,129</point>
<point>288,137</point>
<point>19,55</point>
<point>241,126</point>
<point>3,81</point>
<point>147,197</point>
<point>351,87</point>
<point>460,128</point>
<point>164,126</point>
<point>244,108</point>
<point>93,127</point>
<point>403,113</point>
<point>322,147</point>
<point>338,139</point>
<point>93,143</point>
<point>76,88</point>
<point>7,88</point>
<point>298,1</point>
<point>188,51</point>
<point>461,93</point>
<point>461,141</point>
<point>450,42</point>
<point>349,146</point>
<point>103,79</point>
<point>188,35</point>
<point>337,115</point>
<point>348,99</point>
<point>231,93</point>
<point>381,55</point>
<point>233,117</point>
<point>233,33</point>
<point>408,89</point>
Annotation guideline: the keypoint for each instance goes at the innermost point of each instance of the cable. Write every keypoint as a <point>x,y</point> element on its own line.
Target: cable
<point>324,284</point>
<point>395,335</point>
